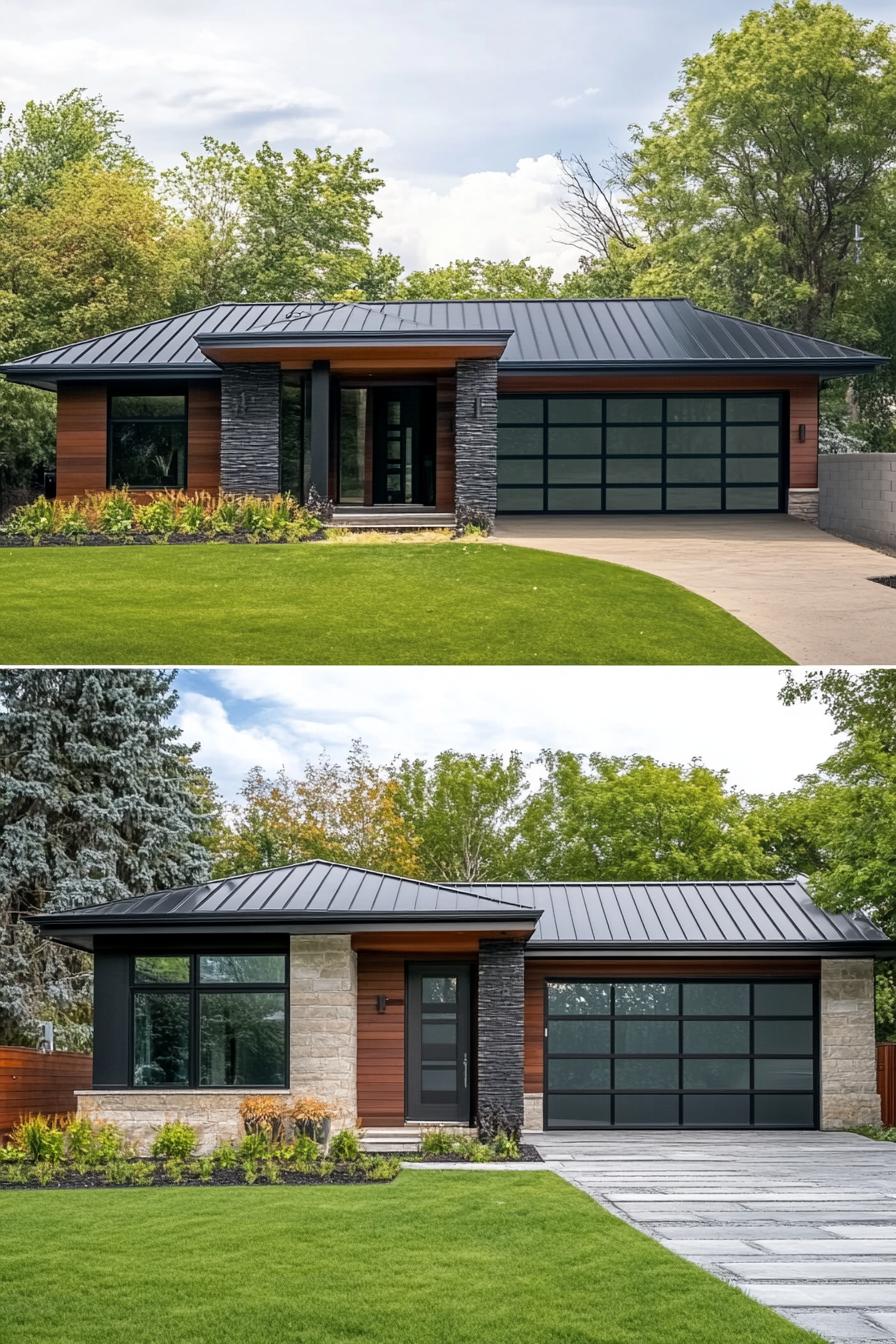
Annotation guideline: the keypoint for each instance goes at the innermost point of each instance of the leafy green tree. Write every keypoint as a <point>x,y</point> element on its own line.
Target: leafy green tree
<point>479,279</point>
<point>464,810</point>
<point>636,819</point>
<point>99,800</point>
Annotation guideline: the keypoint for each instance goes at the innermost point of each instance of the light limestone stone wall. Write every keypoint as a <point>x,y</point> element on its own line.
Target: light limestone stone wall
<point>323,1044</point>
<point>848,1070</point>
<point>533,1110</point>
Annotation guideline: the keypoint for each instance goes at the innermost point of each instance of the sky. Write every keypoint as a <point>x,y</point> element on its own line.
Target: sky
<point>728,717</point>
<point>461,104</point>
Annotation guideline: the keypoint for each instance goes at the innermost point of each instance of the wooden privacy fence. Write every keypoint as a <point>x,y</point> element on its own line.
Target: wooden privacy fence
<point>32,1082</point>
<point>886,1081</point>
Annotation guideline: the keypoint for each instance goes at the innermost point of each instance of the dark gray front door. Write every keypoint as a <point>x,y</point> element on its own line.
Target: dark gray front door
<point>404,445</point>
<point>438,1042</point>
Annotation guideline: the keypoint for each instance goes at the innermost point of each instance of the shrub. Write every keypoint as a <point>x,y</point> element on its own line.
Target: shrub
<point>108,1143</point>
<point>303,1150</point>
<point>140,1173</point>
<point>254,1147</point>
<point>38,1140</point>
<point>115,515</point>
<point>40,518</point>
<point>505,1147</point>
<point>117,1171</point>
<point>158,518</point>
<point>345,1147</point>
<point>309,1110</point>
<point>224,1157</point>
<point>249,1168</point>
<point>204,1169</point>
<point>439,1143</point>
<point>263,1114</point>
<point>175,1140</point>
<point>78,1139</point>
<point>378,1168</point>
<point>14,1173</point>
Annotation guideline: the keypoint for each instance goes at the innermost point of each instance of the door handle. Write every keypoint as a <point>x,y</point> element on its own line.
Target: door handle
<point>465,1069</point>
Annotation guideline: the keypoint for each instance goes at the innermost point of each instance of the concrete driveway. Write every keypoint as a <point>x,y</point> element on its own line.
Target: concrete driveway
<point>804,590</point>
<point>804,1222</point>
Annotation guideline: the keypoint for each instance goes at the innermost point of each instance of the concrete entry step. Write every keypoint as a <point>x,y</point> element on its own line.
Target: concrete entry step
<point>403,1138</point>
<point>391,519</point>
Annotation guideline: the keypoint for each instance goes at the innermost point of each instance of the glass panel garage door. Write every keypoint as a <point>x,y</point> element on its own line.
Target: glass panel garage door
<point>682,453</point>
<point>692,1054</point>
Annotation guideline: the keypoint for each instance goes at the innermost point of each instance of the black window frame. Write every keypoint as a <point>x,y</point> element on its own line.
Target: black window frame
<point>680,1055</point>
<point>193,989</point>
<point>147,390</point>
<point>663,424</point>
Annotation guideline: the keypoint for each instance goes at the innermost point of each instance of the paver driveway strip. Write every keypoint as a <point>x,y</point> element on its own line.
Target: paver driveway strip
<point>804,1222</point>
<point>804,590</point>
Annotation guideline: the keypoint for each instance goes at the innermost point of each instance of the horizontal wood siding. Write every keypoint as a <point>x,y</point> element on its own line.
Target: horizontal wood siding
<point>886,1081</point>
<point>380,1040</point>
<point>204,437</point>
<point>802,391</point>
<point>80,439</point>
<point>628,968</point>
<point>34,1083</point>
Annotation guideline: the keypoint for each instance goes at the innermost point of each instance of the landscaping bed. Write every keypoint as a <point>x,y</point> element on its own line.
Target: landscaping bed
<point>20,540</point>
<point>154,1172</point>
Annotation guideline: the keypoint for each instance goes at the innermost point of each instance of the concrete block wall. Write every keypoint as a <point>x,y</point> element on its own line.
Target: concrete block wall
<point>848,1064</point>
<point>857,496</point>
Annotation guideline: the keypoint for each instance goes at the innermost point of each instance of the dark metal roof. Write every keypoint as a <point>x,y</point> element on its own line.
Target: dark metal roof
<point>621,335</point>
<point>712,914</point>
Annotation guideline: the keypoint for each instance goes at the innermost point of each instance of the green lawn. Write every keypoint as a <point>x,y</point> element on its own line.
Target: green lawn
<point>436,1258</point>
<point>375,603</point>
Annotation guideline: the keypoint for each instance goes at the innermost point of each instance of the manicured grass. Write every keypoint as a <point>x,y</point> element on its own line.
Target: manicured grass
<point>436,1258</point>
<point>378,603</point>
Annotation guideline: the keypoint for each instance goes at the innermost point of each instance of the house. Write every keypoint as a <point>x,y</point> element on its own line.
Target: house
<point>466,408</point>
<point>569,1006</point>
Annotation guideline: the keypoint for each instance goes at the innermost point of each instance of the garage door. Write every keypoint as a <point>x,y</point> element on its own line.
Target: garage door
<point>696,1054</point>
<point>626,454</point>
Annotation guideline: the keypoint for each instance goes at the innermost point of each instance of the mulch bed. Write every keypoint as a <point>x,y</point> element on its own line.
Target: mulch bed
<point>94,1180</point>
<point>143,539</point>
<point>527,1154</point>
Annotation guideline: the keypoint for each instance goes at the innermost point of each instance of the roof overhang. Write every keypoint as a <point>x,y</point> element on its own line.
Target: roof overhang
<point>830,368</point>
<point>345,350</point>
<point>879,948</point>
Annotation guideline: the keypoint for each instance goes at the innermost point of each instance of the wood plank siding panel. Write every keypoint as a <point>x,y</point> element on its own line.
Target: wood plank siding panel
<point>204,437</point>
<point>628,968</point>
<point>802,391</point>
<point>886,1081</point>
<point>380,1040</point>
<point>33,1083</point>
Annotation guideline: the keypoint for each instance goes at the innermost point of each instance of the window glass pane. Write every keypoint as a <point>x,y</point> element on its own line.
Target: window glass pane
<point>295,462</point>
<point>717,1073</point>
<point>740,470</point>
<point>520,442</point>
<point>688,470</point>
<point>512,498</point>
<point>755,497</point>
<point>725,998</point>
<point>578,997</point>
<point>696,498</point>
<point>693,440</point>
<point>352,437</point>
<point>782,1038</point>
<point>786,1109</point>
<point>520,470</point>
<point>573,500</point>
<point>242,1040</point>
<point>575,410</point>
<point>520,410</point>
<point>438,1035</point>
<point>752,439</point>
<point>775,999</point>
<point>647,1073</point>
<point>634,410</point>
<point>438,989</point>
<point>438,1084</point>
<point>693,408</point>
<point>634,471</point>
<point>159,970</point>
<point>646,1038</point>
<point>260,969</point>
<point>147,407</point>
<point>574,470</point>
<point>716,1038</point>
<point>783,1073</point>
<point>578,1111</point>
<point>578,1073</point>
<point>639,439</point>
<point>146,454</point>
<point>649,997</point>
<point>577,441</point>
<point>720,1110</point>
<point>633,500</point>
<point>646,1110</point>
<point>752,408</point>
<point>161,1038</point>
<point>572,1036</point>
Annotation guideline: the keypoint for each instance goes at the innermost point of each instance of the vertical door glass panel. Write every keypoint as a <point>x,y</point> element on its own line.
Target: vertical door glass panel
<point>352,441</point>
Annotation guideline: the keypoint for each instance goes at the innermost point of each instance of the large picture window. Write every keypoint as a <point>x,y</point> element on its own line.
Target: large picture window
<point>681,453</point>
<point>295,435</point>
<point>209,1020</point>
<point>148,439</point>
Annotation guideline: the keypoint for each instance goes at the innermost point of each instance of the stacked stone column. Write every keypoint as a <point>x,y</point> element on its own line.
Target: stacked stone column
<point>848,1069</point>
<point>476,441</point>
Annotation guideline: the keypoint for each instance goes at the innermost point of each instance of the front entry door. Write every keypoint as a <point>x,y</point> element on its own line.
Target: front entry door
<point>438,1042</point>
<point>404,445</point>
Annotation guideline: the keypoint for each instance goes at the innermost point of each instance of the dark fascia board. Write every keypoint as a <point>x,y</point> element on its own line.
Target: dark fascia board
<point>427,336</point>
<point>879,948</point>
<point>47,377</point>
<point>831,367</point>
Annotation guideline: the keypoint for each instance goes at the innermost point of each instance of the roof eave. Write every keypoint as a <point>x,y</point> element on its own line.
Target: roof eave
<point>878,948</point>
<point>830,368</point>
<point>429,336</point>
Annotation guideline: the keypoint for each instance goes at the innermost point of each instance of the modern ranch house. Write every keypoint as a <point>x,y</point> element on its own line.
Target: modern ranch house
<point>443,409</point>
<point>664,1005</point>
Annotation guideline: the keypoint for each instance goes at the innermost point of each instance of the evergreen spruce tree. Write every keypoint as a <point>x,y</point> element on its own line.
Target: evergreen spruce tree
<point>99,799</point>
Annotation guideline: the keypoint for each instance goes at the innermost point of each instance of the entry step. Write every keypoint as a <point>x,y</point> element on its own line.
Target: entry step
<point>403,1138</point>
<point>391,520</point>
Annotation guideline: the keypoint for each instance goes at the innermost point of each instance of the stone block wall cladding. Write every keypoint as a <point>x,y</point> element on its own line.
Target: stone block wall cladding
<point>476,439</point>
<point>803,504</point>
<point>250,429</point>
<point>857,496</point>
<point>533,1110</point>
<point>848,1066</point>
<point>500,1027</point>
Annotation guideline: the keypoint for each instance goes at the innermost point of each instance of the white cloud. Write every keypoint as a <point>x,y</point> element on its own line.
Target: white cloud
<point>491,214</point>
<point>570,100</point>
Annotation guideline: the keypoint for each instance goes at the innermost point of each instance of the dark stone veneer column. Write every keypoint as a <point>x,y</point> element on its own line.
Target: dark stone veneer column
<point>476,440</point>
<point>250,429</point>
<point>500,1029</point>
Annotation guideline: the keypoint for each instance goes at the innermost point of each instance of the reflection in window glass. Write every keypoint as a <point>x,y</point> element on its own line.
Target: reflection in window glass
<point>574,1074</point>
<point>787,1074</point>
<point>709,998</point>
<point>580,441</point>
<point>242,1040</point>
<point>751,408</point>
<point>575,410</point>
<point>578,1036</point>
<point>352,439</point>
<point>716,1038</point>
<point>148,441</point>
<point>646,998</point>
<point>520,410</point>
<point>295,434</point>
<point>520,442</point>
<point>578,998</point>
<point>714,1074</point>
<point>688,409</point>
<point>784,1000</point>
<point>161,970</point>
<point>646,1038</point>
<point>238,968</point>
<point>634,410</point>
<point>161,1038</point>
